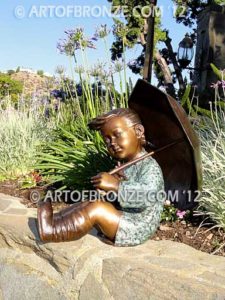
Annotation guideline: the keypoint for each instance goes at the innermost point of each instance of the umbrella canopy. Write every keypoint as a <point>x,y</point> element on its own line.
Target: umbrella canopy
<point>165,121</point>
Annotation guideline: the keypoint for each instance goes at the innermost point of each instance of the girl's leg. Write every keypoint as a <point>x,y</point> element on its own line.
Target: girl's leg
<point>75,221</point>
<point>105,216</point>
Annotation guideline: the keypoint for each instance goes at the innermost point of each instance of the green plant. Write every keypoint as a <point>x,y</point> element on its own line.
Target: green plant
<point>169,213</point>
<point>216,71</point>
<point>40,73</point>
<point>212,134</point>
<point>21,136</point>
<point>30,180</point>
<point>10,87</point>
<point>77,153</point>
<point>10,72</point>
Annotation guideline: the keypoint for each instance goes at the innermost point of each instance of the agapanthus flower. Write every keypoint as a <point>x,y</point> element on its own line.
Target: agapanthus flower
<point>75,40</point>
<point>58,94</point>
<point>118,66</point>
<point>120,30</point>
<point>60,70</point>
<point>79,39</point>
<point>106,76</point>
<point>65,47</point>
<point>101,32</point>
<point>79,69</point>
<point>98,70</point>
<point>76,34</point>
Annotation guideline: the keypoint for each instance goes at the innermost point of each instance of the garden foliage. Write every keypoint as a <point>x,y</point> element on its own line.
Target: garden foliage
<point>22,133</point>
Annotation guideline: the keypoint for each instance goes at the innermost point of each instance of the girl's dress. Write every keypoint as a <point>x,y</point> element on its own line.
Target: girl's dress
<point>141,199</point>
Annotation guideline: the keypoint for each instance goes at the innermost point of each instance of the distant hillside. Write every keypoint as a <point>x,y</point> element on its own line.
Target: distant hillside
<point>34,84</point>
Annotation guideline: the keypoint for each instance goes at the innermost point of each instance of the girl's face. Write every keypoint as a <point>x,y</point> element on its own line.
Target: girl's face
<point>123,141</point>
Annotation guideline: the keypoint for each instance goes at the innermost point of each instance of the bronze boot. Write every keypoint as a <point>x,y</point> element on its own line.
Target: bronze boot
<point>69,224</point>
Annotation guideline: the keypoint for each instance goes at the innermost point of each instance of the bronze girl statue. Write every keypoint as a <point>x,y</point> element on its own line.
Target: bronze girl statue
<point>138,191</point>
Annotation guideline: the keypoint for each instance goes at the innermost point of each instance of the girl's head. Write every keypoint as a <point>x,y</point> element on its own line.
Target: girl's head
<point>122,132</point>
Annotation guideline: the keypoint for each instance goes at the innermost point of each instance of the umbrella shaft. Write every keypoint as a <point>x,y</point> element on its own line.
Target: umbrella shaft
<point>116,170</point>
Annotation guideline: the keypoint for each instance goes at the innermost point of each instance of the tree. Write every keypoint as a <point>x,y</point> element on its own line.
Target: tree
<point>40,73</point>
<point>10,72</point>
<point>9,86</point>
<point>135,30</point>
<point>186,13</point>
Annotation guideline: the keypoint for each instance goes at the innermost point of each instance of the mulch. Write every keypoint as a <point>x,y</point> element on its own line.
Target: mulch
<point>190,232</point>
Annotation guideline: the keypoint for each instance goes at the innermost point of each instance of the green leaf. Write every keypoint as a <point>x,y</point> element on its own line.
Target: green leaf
<point>216,71</point>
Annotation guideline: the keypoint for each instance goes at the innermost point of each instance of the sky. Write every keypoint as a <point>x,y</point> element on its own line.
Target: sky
<point>29,31</point>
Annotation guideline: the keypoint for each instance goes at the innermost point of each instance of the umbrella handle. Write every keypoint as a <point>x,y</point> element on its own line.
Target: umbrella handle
<point>114,171</point>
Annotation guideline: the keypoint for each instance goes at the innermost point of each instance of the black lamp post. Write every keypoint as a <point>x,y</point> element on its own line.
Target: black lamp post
<point>185,51</point>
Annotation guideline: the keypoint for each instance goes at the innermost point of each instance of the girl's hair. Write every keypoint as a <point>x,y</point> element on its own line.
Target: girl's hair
<point>130,115</point>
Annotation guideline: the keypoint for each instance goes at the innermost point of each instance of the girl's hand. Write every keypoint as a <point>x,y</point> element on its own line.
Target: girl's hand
<point>120,175</point>
<point>105,181</point>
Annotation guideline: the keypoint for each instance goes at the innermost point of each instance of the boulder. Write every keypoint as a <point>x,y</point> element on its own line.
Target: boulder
<point>91,269</point>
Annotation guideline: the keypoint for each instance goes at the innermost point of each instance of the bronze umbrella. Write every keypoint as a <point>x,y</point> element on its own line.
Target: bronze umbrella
<point>168,127</point>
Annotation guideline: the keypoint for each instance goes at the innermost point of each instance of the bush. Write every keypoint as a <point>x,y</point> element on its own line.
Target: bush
<point>212,135</point>
<point>10,72</point>
<point>21,136</point>
<point>40,73</point>
<point>9,86</point>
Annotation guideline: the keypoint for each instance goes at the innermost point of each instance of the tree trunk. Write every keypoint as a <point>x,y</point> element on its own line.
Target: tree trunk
<point>166,74</point>
<point>175,63</point>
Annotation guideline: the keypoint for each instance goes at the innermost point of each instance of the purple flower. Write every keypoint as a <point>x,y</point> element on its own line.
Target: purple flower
<point>180,214</point>
<point>69,32</point>
<point>101,32</point>
<point>65,47</point>
<point>75,40</point>
<point>216,85</point>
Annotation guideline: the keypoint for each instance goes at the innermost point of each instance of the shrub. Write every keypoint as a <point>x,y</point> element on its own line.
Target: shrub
<point>21,135</point>
<point>9,86</point>
<point>40,73</point>
<point>212,135</point>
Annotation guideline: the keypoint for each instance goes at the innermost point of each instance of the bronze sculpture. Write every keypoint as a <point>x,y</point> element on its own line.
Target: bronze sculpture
<point>124,136</point>
<point>165,122</point>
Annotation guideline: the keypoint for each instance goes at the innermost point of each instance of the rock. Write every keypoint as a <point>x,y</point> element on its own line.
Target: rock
<point>164,228</point>
<point>210,236</point>
<point>90,269</point>
<point>93,289</point>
